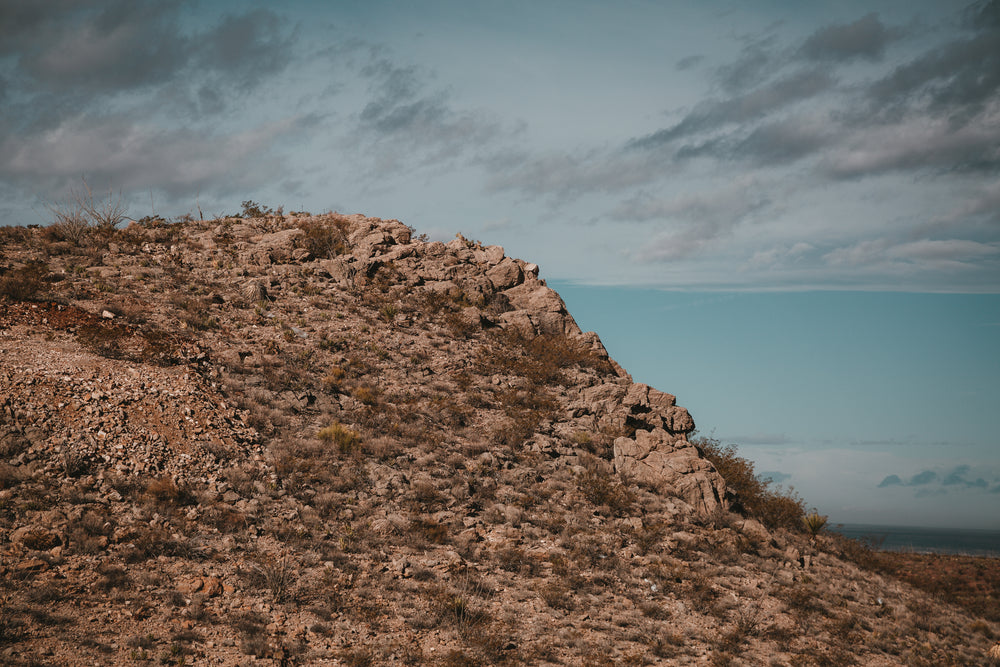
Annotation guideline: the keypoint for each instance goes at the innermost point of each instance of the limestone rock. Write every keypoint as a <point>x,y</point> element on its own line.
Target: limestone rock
<point>673,466</point>
<point>276,247</point>
<point>650,408</point>
<point>506,274</point>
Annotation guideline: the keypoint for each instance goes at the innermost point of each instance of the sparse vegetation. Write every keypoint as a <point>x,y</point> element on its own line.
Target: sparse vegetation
<point>753,496</point>
<point>814,523</point>
<point>23,283</point>
<point>230,438</point>
<point>343,438</point>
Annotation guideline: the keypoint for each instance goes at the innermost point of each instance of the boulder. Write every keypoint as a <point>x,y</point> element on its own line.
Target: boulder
<point>506,274</point>
<point>279,246</point>
<point>649,408</point>
<point>670,464</point>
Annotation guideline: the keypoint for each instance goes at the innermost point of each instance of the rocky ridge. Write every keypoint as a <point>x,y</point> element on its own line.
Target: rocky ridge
<point>321,440</point>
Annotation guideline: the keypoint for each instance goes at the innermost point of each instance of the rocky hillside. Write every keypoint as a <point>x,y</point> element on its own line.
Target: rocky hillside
<point>319,440</point>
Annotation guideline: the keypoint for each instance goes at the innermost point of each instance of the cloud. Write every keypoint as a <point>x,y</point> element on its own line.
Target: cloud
<point>695,220</point>
<point>99,46</point>
<point>562,175</point>
<point>243,50</point>
<point>77,55</point>
<point>750,68</point>
<point>913,257</point>
<point>762,439</point>
<point>774,476</point>
<point>891,480</point>
<point>786,140</point>
<point>865,38</point>
<point>957,477</point>
<point>412,125</point>
<point>124,151</point>
<point>750,106</point>
<point>114,46</point>
<point>121,92</point>
<point>779,255</point>
<point>961,73</point>
<point>918,143</point>
<point>689,62</point>
<point>934,483</point>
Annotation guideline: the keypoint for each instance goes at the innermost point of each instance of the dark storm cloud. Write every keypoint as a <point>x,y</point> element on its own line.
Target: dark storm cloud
<point>23,21</point>
<point>865,38</point>
<point>397,105</point>
<point>695,221</point>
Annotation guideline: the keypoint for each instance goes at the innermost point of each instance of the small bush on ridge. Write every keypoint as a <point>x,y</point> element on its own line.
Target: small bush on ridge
<point>753,495</point>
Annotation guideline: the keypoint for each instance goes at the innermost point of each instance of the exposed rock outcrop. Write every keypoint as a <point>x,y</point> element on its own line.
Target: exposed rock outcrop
<point>672,465</point>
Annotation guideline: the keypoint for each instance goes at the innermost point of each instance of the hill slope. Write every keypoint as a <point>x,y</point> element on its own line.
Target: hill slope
<point>319,440</point>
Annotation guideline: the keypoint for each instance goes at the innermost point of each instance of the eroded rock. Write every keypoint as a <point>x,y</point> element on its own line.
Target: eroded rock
<point>672,465</point>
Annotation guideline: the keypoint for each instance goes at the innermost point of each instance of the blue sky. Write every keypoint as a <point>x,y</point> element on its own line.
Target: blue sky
<point>788,214</point>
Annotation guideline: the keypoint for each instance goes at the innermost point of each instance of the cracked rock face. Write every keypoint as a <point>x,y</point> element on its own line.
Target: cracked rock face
<point>672,465</point>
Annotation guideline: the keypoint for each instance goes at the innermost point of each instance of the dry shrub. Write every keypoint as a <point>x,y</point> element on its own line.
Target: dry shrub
<point>541,359</point>
<point>557,595</point>
<point>165,491</point>
<point>105,340</point>
<point>274,574</point>
<point>113,576</point>
<point>325,239</point>
<point>424,495</point>
<point>90,533</point>
<point>146,543</point>
<point>366,395</point>
<point>333,380</point>
<point>601,486</point>
<point>39,539</point>
<point>9,476</point>
<point>430,530</point>
<point>23,284</point>
<point>515,559</point>
<point>344,439</point>
<point>753,495</point>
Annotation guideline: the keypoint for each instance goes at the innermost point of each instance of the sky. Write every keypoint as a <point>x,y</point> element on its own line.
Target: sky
<point>787,214</point>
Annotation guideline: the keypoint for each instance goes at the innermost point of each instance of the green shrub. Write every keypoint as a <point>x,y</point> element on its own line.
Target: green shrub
<point>814,522</point>
<point>775,508</point>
